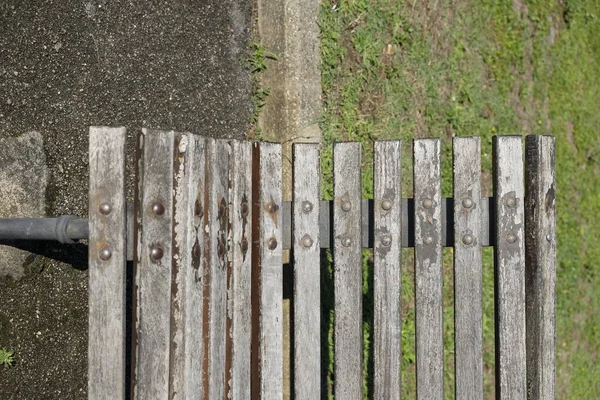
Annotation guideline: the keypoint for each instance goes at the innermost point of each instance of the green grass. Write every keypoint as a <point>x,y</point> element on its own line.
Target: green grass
<point>393,70</point>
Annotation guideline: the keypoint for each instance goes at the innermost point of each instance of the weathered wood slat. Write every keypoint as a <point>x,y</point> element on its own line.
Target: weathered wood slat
<point>540,277</point>
<point>428,269</point>
<point>215,225</point>
<point>468,308</point>
<point>107,263</point>
<point>387,195</point>
<point>270,271</point>
<point>239,303</point>
<point>307,274</point>
<point>153,266</point>
<point>347,270</point>
<point>186,303</point>
<point>509,268</point>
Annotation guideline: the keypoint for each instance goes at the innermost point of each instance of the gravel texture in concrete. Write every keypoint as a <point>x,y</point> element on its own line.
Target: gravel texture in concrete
<point>66,65</point>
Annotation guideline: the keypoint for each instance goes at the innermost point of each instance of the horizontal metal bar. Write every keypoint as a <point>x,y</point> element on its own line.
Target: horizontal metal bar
<point>68,228</point>
<point>408,223</point>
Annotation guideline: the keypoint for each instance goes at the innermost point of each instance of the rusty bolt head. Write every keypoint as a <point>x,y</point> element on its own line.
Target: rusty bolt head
<point>467,203</point>
<point>428,240</point>
<point>158,209</point>
<point>346,241</point>
<point>346,206</point>
<point>273,208</point>
<point>511,238</point>
<point>386,205</point>
<point>307,206</point>
<point>105,208</point>
<point>386,241</point>
<point>244,245</point>
<point>245,209</point>
<point>156,253</point>
<point>468,239</point>
<point>307,241</point>
<point>272,244</point>
<point>105,254</point>
<point>511,202</point>
<point>427,203</point>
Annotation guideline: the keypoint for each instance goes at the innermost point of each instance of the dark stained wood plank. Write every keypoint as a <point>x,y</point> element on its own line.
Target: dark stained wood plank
<point>509,258</point>
<point>307,274</point>
<point>387,263</point>
<point>153,266</point>
<point>428,269</point>
<point>468,308</point>
<point>107,264</point>
<point>540,260</point>
<point>347,254</point>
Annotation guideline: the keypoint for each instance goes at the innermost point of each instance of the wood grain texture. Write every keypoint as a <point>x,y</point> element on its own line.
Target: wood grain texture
<point>540,260</point>
<point>387,280</point>
<point>271,272</point>
<point>153,276</point>
<point>307,272</point>
<point>217,181</point>
<point>468,309</point>
<point>347,254</point>
<point>186,290</point>
<point>106,341</point>
<point>509,260</point>
<point>428,269</point>
<point>239,302</point>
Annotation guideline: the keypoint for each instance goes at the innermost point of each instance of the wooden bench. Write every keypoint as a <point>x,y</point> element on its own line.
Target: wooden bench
<point>209,230</point>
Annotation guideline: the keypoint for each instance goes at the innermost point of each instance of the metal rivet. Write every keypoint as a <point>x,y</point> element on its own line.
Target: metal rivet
<point>307,206</point>
<point>272,244</point>
<point>156,253</point>
<point>549,237</point>
<point>346,241</point>
<point>245,209</point>
<point>386,241</point>
<point>427,203</point>
<point>511,238</point>
<point>158,209</point>
<point>273,208</point>
<point>468,239</point>
<point>467,203</point>
<point>244,245</point>
<point>105,254</point>
<point>307,241</point>
<point>511,202</point>
<point>346,206</point>
<point>105,208</point>
<point>428,240</point>
<point>386,205</point>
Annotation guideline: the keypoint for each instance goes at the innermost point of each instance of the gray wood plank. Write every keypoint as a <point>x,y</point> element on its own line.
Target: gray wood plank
<point>468,309</point>
<point>540,259</point>
<point>107,263</point>
<point>270,272</point>
<point>428,269</point>
<point>307,274</point>
<point>387,195</point>
<point>153,266</point>
<point>239,291</point>
<point>347,270</point>
<point>509,260</point>
<point>186,303</point>
<point>217,207</point>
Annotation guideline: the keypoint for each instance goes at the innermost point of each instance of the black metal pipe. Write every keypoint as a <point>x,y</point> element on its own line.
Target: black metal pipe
<point>64,229</point>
